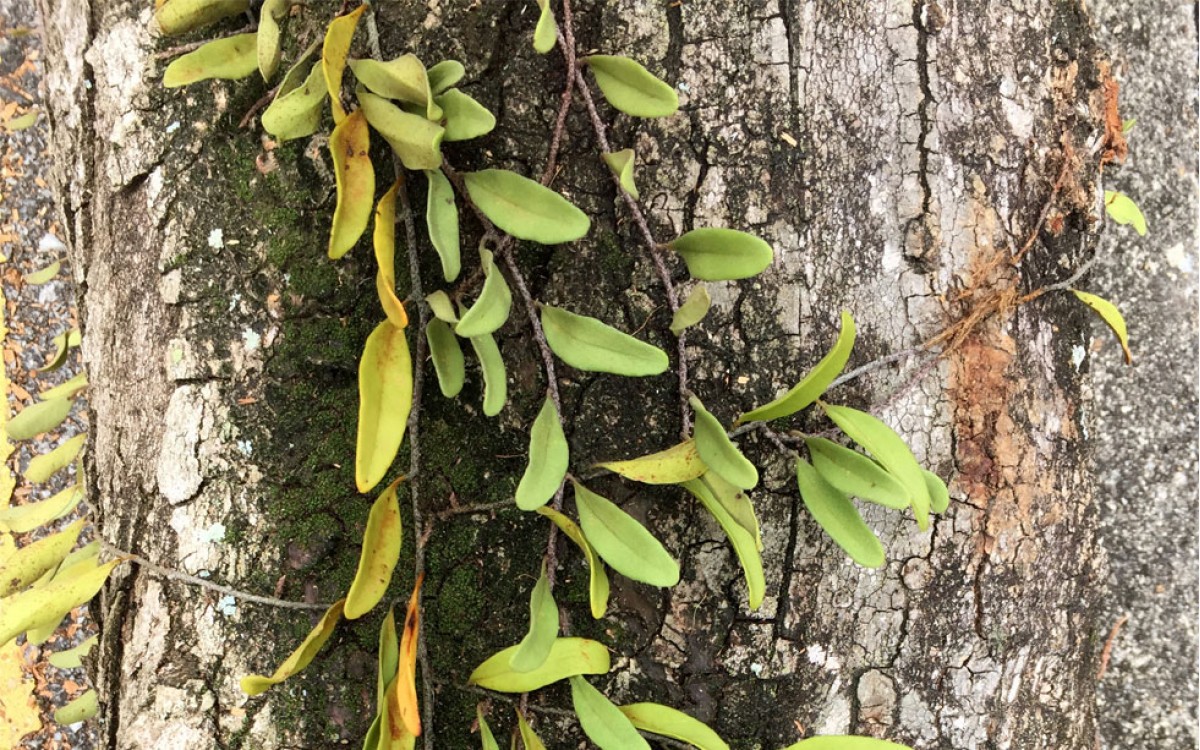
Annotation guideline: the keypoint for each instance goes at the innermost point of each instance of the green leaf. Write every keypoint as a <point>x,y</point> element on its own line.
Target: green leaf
<point>334,49</point>
<point>568,657</point>
<point>621,164</point>
<point>889,449</point>
<point>416,140</point>
<point>525,209</point>
<point>808,390</point>
<point>528,738</point>
<point>1127,125</point>
<point>1123,210</point>
<point>267,44</point>
<point>63,343</point>
<point>715,254</point>
<point>44,466</point>
<point>669,722</point>
<point>350,147</point>
<point>43,606</point>
<point>29,563</point>
<point>719,452</point>
<point>72,658</point>
<point>545,34</point>
<point>21,519</point>
<point>624,543</point>
<point>939,494</point>
<point>491,308</point>
<point>630,88</point>
<point>441,217</point>
<point>379,555</point>
<point>42,275</point>
<point>403,79</point>
<point>81,709</point>
<point>598,586</point>
<point>300,658</point>
<point>465,117</point>
<point>231,58</point>
<point>692,311</point>
<point>486,737</point>
<point>745,544</point>
<point>38,418</point>
<point>736,503</point>
<point>441,306</point>
<point>855,474</point>
<point>838,517</point>
<point>587,344</point>
<point>1109,313</point>
<point>845,742</point>
<point>602,721</point>
<point>447,357</point>
<point>385,390</point>
<point>495,379</point>
<point>67,389</point>
<point>676,464</point>
<point>176,17</point>
<point>22,121</point>
<point>548,459</point>
<point>389,657</point>
<point>296,112</point>
<point>534,648</point>
<point>444,75</point>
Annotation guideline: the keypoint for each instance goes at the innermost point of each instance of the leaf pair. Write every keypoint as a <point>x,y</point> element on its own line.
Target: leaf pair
<point>397,720</point>
<point>295,112</point>
<point>529,739</point>
<point>568,657</point>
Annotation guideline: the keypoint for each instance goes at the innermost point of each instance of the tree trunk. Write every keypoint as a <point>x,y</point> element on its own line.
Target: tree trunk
<point>895,155</point>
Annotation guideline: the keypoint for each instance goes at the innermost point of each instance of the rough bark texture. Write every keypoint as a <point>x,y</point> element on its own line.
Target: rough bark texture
<point>893,154</point>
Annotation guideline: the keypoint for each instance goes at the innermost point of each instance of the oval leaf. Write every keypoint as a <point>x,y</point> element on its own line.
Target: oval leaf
<point>630,88</point>
<point>403,78</point>
<point>384,242</point>
<point>692,311</point>
<point>624,543</point>
<point>21,519</point>
<point>230,59</point>
<point>545,34</point>
<point>380,553</point>
<point>602,721</point>
<point>845,742</point>
<point>334,50</point>
<point>534,648</point>
<point>837,515</point>
<point>718,451</point>
<point>528,738</point>
<point>1123,210</point>
<point>441,217</point>
<point>491,309</point>
<point>524,208</point>
<point>495,378</point>
<point>181,16</point>
<point>29,563</point>
<point>855,474</point>
<point>45,606</point>
<point>1109,313</point>
<point>587,344</point>
<point>447,357</point>
<point>889,449</point>
<point>598,586</point>
<point>621,164</point>
<point>676,464</point>
<point>669,722</point>
<point>385,389</point>
<point>350,145</point>
<point>66,389</point>
<point>254,684</point>
<point>416,140</point>
<point>568,657</point>
<point>63,343</point>
<point>268,36</point>
<point>808,390</point>
<point>465,117</point>
<point>939,494</point>
<point>441,306</point>
<point>715,254</point>
<point>42,467</point>
<point>72,658</point>
<point>745,544</point>
<point>445,74</point>
<point>38,418</point>
<point>81,709</point>
<point>297,113</point>
<point>548,459</point>
<point>43,275</point>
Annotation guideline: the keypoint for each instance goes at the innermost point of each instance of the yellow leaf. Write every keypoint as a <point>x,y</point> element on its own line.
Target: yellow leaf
<point>22,519</point>
<point>380,552</point>
<point>385,256</point>
<point>1123,210</point>
<point>385,390</point>
<point>230,58</point>
<point>676,464</point>
<point>268,36</point>
<point>1112,316</point>
<point>181,16</point>
<point>402,695</point>
<point>333,57</point>
<point>350,145</point>
<point>254,684</point>
<point>18,708</point>
<point>28,563</point>
<point>44,605</point>
<point>42,467</point>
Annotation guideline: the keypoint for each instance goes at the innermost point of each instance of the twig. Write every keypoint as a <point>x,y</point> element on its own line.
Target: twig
<point>263,101</point>
<point>192,580</point>
<point>191,46</point>
<point>1068,154</point>
<point>1106,654</point>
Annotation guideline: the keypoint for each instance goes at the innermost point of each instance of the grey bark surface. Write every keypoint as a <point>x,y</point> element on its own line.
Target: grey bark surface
<point>893,154</point>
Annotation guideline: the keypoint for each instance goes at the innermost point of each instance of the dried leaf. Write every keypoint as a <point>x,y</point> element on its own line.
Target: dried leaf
<point>403,714</point>
<point>384,242</point>
<point>334,51</point>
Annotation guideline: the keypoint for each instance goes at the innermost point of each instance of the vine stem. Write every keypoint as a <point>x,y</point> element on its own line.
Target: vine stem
<point>176,575</point>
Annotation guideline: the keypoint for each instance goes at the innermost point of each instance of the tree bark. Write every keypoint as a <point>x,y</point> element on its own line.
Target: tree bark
<point>895,155</point>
